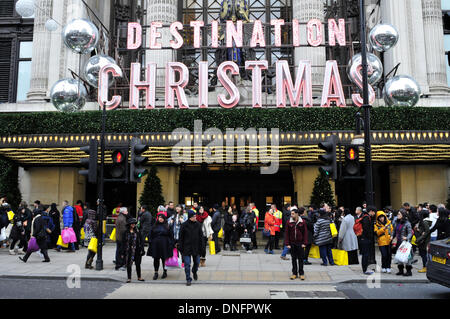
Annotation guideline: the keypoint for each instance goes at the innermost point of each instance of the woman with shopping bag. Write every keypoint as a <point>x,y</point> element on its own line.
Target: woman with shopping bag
<point>133,248</point>
<point>402,239</point>
<point>383,231</point>
<point>161,244</point>
<point>39,231</point>
<point>90,231</point>
<point>347,239</point>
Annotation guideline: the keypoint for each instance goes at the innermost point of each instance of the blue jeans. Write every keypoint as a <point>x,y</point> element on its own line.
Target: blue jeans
<point>386,256</point>
<point>71,246</point>
<point>187,266</point>
<point>325,251</point>
<point>285,251</point>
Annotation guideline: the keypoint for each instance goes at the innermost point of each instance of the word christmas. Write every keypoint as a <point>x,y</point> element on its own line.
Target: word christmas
<point>332,85</point>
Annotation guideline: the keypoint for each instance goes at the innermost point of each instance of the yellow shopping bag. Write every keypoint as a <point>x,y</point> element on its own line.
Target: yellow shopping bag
<point>61,243</point>
<point>334,231</point>
<point>212,248</point>
<point>10,215</point>
<point>104,227</point>
<point>340,257</point>
<point>314,252</point>
<point>113,235</point>
<point>220,235</point>
<point>413,240</point>
<point>82,234</point>
<point>93,245</point>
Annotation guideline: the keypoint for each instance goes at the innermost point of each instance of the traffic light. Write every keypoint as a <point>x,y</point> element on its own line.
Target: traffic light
<point>90,162</point>
<point>329,159</point>
<point>118,170</point>
<point>351,166</point>
<point>137,160</point>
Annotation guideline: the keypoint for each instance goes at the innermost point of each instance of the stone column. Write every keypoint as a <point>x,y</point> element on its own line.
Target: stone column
<point>41,52</point>
<point>165,11</point>
<point>406,17</point>
<point>304,11</point>
<point>434,46</point>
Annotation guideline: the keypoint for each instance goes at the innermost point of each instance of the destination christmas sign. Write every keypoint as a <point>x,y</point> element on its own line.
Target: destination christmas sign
<point>299,92</point>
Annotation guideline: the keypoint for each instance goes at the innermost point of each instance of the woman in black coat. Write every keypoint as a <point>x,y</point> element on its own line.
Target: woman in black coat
<point>133,248</point>
<point>55,215</point>
<point>161,244</point>
<point>39,230</point>
<point>442,224</point>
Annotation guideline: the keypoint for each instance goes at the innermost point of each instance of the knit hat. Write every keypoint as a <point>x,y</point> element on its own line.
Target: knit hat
<point>191,213</point>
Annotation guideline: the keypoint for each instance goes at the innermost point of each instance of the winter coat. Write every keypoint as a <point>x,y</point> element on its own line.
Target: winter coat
<point>121,226</point>
<point>18,229</point>
<point>347,237</point>
<point>269,223</point>
<point>216,221</point>
<point>175,224</point>
<point>402,230</point>
<point>191,238</point>
<point>310,228</point>
<point>133,247</point>
<point>161,241</point>
<point>322,232</point>
<point>228,222</point>
<point>39,231</point>
<point>423,234</point>
<point>67,214</point>
<point>367,227</point>
<point>90,226</point>
<point>171,212</point>
<point>296,233</point>
<point>145,224</point>
<point>249,221</point>
<point>384,231</point>
<point>442,227</point>
<point>206,227</point>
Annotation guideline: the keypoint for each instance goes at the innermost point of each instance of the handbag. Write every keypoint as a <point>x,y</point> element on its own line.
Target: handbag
<point>61,243</point>
<point>113,235</point>
<point>314,251</point>
<point>82,234</point>
<point>340,257</point>
<point>212,248</point>
<point>32,245</point>
<point>220,234</point>
<point>245,239</point>
<point>93,245</point>
<point>334,231</point>
<point>266,232</point>
<point>174,261</point>
<point>403,253</point>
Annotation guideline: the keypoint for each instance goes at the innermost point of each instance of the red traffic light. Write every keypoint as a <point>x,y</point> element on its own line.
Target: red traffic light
<point>351,154</point>
<point>117,157</point>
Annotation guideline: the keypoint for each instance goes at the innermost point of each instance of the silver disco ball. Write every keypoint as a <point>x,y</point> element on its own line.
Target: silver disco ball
<point>68,95</point>
<point>51,25</point>
<point>25,8</point>
<point>372,60</point>
<point>81,36</point>
<point>382,37</point>
<point>401,90</point>
<point>93,67</point>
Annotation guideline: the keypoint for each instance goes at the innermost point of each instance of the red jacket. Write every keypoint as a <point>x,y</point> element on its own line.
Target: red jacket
<point>79,210</point>
<point>296,233</point>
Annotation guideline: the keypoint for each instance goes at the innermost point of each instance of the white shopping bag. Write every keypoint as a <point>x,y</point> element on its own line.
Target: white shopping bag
<point>403,252</point>
<point>3,234</point>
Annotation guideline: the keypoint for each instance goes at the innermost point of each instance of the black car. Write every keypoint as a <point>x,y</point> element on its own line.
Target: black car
<point>438,268</point>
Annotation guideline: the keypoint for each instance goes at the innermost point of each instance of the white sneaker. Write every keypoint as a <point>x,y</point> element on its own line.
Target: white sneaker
<point>249,252</point>
<point>12,252</point>
<point>383,270</point>
<point>388,270</point>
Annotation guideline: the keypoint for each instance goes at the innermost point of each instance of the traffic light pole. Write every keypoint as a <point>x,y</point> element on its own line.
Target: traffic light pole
<point>101,212</point>
<point>366,106</point>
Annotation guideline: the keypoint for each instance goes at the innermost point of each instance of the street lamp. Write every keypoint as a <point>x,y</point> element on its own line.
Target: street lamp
<point>366,107</point>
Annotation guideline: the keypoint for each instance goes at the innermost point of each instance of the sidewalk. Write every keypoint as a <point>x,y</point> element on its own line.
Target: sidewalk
<point>223,268</point>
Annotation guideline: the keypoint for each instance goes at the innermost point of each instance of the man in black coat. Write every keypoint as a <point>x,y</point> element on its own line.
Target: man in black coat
<point>190,245</point>
<point>145,222</point>
<point>76,228</point>
<point>367,237</point>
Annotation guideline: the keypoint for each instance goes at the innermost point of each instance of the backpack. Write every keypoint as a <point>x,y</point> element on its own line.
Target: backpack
<point>357,228</point>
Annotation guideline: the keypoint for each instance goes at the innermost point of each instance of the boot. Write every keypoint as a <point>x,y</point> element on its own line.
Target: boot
<point>424,269</point>
<point>400,270</point>
<point>155,276</point>
<point>164,274</point>
<point>89,263</point>
<point>408,271</point>
<point>202,262</point>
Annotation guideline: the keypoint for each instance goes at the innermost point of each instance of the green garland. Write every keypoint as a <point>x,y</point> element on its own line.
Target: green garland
<point>9,183</point>
<point>163,120</point>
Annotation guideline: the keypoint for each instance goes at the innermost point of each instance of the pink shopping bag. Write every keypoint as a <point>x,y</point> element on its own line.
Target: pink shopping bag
<point>68,236</point>
<point>174,261</point>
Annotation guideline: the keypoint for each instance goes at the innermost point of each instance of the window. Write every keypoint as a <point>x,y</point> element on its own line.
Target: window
<point>7,8</point>
<point>24,70</point>
<point>5,69</point>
